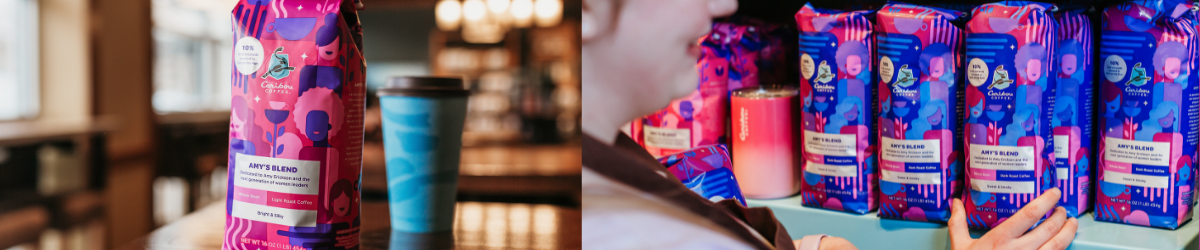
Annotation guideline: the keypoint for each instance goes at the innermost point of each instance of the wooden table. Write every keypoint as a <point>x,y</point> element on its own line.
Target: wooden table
<point>477,225</point>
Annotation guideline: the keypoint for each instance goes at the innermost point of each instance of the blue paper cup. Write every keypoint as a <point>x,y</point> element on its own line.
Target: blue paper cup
<point>422,138</point>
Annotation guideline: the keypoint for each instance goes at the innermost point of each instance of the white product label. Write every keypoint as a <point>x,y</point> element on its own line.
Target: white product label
<point>668,138</point>
<point>1061,145</point>
<point>886,69</point>
<point>1018,187</point>
<point>1136,179</point>
<point>806,66</point>
<point>1137,152</point>
<point>277,215</point>
<point>912,178</point>
<point>832,170</point>
<point>276,190</point>
<point>1062,173</point>
<point>1002,157</point>
<point>830,144</point>
<point>977,72</point>
<point>1114,68</point>
<point>277,175</point>
<point>248,55</point>
<point>912,151</point>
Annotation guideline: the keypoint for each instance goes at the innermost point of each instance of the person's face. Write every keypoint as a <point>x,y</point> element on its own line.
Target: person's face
<point>1068,64</point>
<point>341,205</point>
<point>1033,69</point>
<point>1171,68</point>
<point>646,50</point>
<point>1029,122</point>
<point>852,114</point>
<point>317,126</point>
<point>685,109</point>
<point>937,67</point>
<point>329,52</point>
<point>853,65</point>
<point>936,117</point>
<point>1168,120</point>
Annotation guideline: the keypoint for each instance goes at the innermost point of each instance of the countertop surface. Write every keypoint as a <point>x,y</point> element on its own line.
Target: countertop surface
<point>477,225</point>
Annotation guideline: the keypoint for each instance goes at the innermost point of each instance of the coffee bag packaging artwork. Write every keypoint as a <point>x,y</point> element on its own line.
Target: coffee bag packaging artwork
<point>699,118</point>
<point>295,134</point>
<point>837,91</point>
<point>706,170</point>
<point>1073,106</point>
<point>1148,143</point>
<point>1011,74</point>
<point>918,51</point>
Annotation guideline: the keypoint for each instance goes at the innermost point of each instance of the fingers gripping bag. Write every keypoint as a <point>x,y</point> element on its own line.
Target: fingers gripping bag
<point>918,53</point>
<point>296,126</point>
<point>1147,151</point>
<point>1009,99</point>
<point>838,91</point>
<point>1072,119</point>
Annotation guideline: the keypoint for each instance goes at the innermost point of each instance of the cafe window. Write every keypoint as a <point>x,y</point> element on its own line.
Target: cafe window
<point>18,59</point>
<point>191,55</point>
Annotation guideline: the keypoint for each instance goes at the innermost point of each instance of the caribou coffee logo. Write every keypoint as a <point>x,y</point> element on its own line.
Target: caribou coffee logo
<point>279,67</point>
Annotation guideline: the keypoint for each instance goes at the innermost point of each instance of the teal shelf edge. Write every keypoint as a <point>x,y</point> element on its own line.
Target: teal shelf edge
<point>870,232</point>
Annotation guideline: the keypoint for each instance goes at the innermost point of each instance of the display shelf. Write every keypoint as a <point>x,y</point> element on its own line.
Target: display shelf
<point>870,232</point>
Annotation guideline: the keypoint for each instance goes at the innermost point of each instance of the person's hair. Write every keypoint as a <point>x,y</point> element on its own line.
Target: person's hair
<point>853,48</point>
<point>937,50</point>
<point>1167,50</point>
<point>250,130</point>
<point>1031,51</point>
<point>1072,47</point>
<point>323,99</point>
<point>330,31</point>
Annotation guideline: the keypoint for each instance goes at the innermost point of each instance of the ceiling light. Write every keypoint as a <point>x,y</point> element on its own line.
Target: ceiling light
<point>448,14</point>
<point>497,6</point>
<point>549,12</point>
<point>522,12</point>
<point>474,10</point>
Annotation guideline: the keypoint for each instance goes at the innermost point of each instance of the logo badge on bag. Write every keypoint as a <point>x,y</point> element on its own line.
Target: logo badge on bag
<point>279,67</point>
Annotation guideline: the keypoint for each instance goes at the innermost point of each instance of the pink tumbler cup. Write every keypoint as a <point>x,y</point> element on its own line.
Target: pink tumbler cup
<point>764,153</point>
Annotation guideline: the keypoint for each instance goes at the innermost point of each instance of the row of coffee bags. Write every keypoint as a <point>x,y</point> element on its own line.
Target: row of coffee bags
<point>1021,76</point>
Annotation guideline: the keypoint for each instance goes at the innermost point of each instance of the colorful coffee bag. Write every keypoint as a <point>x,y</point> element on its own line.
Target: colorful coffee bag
<point>728,61</point>
<point>1009,68</point>
<point>919,55</point>
<point>295,139</point>
<point>837,90</point>
<point>707,171</point>
<point>699,118</point>
<point>1147,151</point>
<point>1072,119</point>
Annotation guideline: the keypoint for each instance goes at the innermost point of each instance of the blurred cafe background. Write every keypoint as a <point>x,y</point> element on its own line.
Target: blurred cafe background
<point>114,115</point>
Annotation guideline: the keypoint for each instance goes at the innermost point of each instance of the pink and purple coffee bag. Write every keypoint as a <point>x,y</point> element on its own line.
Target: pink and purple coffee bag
<point>1148,89</point>
<point>919,56</point>
<point>1073,108</point>
<point>1010,69</point>
<point>728,61</point>
<point>295,138</point>
<point>706,170</point>
<point>837,90</point>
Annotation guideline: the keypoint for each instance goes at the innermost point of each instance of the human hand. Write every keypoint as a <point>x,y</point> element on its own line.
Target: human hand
<point>1057,232</point>
<point>831,243</point>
